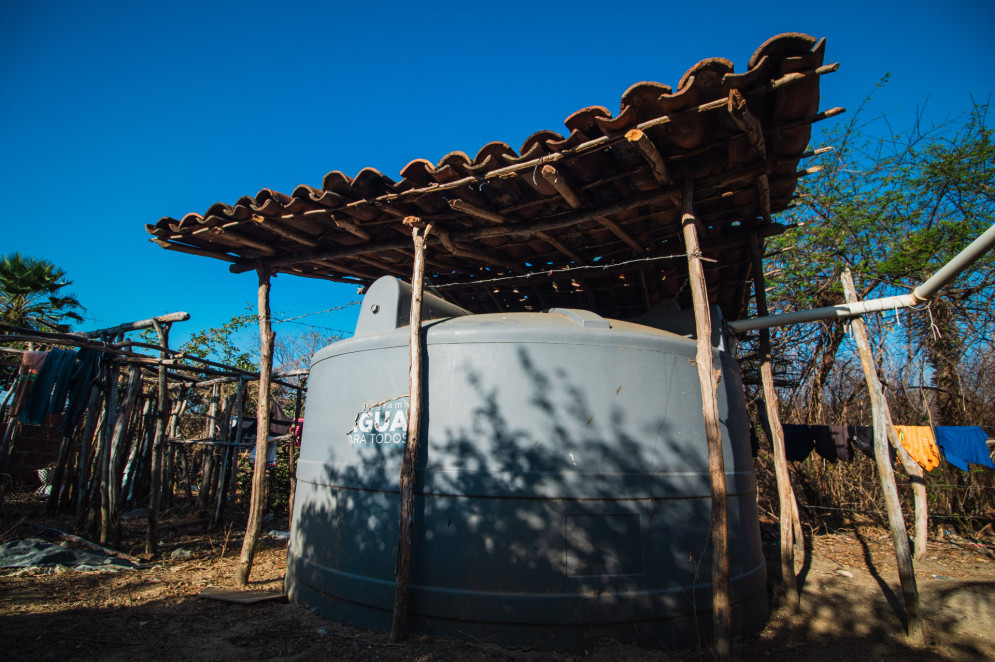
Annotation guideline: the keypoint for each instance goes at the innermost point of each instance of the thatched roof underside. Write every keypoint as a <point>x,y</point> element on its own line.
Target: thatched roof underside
<point>589,218</point>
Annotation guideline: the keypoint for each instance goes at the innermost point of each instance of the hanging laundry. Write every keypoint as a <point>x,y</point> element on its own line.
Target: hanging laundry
<point>798,442</point>
<point>279,423</point>
<point>862,438</point>
<point>270,455</point>
<point>832,442</point>
<point>79,384</point>
<point>58,365</point>
<point>962,445</point>
<point>919,441</point>
<point>31,363</point>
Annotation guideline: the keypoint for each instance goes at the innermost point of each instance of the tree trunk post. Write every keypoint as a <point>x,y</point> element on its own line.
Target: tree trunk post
<point>906,571</point>
<point>708,378</point>
<point>155,482</point>
<point>257,500</point>
<point>785,494</point>
<point>402,570</point>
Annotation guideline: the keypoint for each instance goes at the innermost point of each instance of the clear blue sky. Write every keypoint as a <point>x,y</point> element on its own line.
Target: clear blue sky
<point>114,114</point>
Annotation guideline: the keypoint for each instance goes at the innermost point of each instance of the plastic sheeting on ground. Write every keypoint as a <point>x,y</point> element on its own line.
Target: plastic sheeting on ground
<point>32,553</point>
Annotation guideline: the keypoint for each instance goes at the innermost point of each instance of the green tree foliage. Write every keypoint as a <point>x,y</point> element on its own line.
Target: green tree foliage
<point>32,295</point>
<point>893,207</point>
<point>223,343</point>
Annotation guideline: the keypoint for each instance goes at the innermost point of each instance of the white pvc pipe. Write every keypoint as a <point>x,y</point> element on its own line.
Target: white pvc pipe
<point>919,295</point>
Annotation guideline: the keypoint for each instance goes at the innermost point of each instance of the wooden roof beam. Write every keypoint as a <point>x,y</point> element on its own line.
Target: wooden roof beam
<point>351,228</point>
<point>560,247</point>
<point>345,270</point>
<point>285,232</point>
<point>754,131</point>
<point>641,141</point>
<point>192,250</point>
<point>386,267</point>
<point>240,239</point>
<point>477,212</point>
<point>551,175</point>
<point>450,245</point>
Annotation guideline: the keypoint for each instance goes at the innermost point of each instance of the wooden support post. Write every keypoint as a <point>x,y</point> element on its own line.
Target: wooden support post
<point>136,457</point>
<point>906,571</point>
<point>106,472</point>
<point>708,378</point>
<point>785,494</point>
<point>257,501</point>
<point>87,468</point>
<point>155,482</point>
<point>402,571</point>
<point>207,459</point>
<point>169,464</point>
<point>117,442</point>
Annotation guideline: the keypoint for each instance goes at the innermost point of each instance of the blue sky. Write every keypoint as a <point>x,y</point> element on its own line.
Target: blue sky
<point>113,115</point>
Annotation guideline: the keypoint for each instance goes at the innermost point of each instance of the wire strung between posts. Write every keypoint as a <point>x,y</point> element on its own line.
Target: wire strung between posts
<point>881,513</point>
<point>586,267</point>
<point>318,312</point>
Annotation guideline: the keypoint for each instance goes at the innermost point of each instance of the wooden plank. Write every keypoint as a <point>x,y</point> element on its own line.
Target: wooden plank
<point>896,523</point>
<point>402,571</point>
<point>249,597</point>
<point>708,379</point>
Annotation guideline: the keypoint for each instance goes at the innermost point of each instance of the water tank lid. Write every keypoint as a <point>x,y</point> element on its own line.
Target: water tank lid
<point>583,318</point>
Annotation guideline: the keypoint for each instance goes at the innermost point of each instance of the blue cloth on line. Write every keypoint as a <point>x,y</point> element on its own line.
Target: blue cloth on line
<point>964,444</point>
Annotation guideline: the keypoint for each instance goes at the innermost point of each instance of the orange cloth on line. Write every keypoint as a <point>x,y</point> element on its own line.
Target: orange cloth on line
<point>919,441</point>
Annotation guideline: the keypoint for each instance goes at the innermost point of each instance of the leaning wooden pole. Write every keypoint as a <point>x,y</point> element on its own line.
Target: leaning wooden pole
<point>258,499</point>
<point>906,571</point>
<point>785,494</point>
<point>708,378</point>
<point>402,570</point>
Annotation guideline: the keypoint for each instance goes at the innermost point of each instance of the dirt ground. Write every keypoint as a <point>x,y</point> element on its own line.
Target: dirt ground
<point>851,608</point>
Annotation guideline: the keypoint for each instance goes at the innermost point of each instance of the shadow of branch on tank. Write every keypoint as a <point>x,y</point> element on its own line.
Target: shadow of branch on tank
<point>559,495</point>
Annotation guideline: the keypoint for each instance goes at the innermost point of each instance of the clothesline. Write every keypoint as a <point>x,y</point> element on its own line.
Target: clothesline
<point>960,445</point>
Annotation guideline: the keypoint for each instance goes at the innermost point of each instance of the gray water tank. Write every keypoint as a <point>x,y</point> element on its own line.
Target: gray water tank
<point>562,486</point>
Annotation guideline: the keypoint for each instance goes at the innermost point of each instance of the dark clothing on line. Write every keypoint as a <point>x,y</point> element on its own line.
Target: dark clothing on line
<point>862,438</point>
<point>798,442</point>
<point>79,384</point>
<point>962,445</point>
<point>832,442</point>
